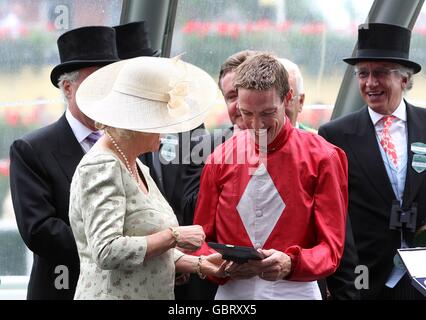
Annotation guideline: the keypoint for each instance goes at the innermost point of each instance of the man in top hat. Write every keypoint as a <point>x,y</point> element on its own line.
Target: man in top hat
<point>43,163</point>
<point>385,144</point>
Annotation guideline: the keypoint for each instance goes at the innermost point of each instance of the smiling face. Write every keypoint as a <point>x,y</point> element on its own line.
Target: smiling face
<point>262,109</point>
<point>231,95</point>
<point>263,95</point>
<point>381,85</point>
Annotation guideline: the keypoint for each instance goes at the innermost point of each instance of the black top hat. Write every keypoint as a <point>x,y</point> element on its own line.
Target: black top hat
<point>383,42</point>
<point>85,47</point>
<point>132,41</point>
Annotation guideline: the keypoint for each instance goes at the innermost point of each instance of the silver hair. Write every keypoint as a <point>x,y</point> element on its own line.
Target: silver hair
<point>408,73</point>
<point>121,133</point>
<point>70,76</point>
<point>293,69</point>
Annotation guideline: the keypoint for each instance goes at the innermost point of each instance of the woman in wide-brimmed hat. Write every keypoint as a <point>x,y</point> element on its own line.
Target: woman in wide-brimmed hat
<point>125,230</point>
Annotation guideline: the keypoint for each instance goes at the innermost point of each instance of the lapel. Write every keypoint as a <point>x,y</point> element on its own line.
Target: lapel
<point>365,149</point>
<point>416,133</point>
<point>147,159</point>
<point>170,172</point>
<point>67,151</point>
<point>144,160</point>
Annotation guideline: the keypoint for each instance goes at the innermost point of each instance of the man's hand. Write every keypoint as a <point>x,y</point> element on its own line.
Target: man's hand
<point>275,266</point>
<point>240,271</point>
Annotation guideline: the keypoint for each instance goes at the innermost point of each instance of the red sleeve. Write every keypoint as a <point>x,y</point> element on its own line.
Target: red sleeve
<point>205,210</point>
<point>207,202</point>
<point>331,202</point>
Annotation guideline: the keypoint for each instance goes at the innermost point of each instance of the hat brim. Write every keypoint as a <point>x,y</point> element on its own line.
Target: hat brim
<point>98,100</point>
<point>408,63</point>
<point>74,65</point>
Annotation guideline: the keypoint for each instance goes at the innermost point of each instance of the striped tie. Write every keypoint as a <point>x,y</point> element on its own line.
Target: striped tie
<point>92,138</point>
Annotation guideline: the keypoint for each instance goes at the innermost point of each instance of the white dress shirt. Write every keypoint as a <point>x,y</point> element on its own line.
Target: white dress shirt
<point>399,134</point>
<point>80,131</point>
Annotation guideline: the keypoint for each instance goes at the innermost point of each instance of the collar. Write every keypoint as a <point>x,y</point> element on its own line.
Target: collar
<point>281,138</point>
<point>400,113</point>
<point>80,130</point>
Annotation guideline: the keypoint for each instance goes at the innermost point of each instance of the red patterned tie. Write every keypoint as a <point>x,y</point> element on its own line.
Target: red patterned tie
<point>386,140</point>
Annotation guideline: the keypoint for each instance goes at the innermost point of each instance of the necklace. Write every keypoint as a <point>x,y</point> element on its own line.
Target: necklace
<point>123,156</point>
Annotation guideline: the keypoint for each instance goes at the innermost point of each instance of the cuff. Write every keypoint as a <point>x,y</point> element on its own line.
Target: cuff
<point>294,259</point>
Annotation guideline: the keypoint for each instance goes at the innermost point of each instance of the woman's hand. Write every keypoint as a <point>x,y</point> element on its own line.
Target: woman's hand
<point>214,265</point>
<point>189,237</point>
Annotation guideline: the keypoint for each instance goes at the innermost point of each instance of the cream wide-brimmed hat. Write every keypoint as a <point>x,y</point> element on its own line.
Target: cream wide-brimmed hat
<point>148,94</point>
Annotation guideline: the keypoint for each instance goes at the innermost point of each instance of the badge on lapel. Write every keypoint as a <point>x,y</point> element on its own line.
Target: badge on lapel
<point>419,158</point>
<point>168,148</point>
<point>418,148</point>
